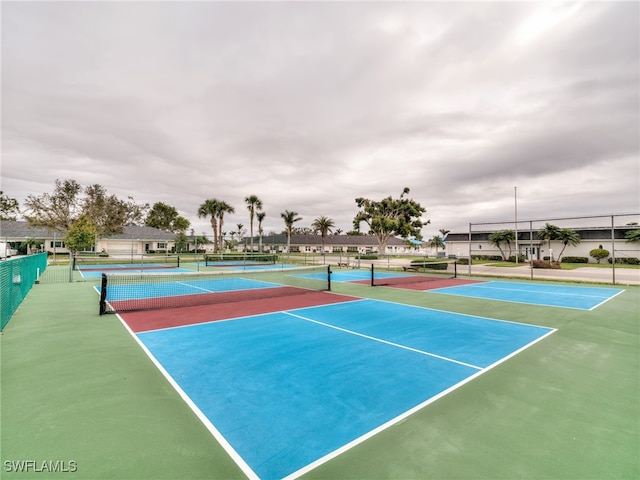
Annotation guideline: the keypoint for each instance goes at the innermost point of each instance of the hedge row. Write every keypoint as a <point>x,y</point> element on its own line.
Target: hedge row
<point>627,261</point>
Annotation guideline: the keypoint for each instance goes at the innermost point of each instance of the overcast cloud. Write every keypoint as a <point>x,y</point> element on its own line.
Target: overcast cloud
<point>309,105</point>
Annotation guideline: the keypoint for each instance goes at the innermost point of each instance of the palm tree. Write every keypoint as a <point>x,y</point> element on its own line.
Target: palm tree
<point>502,236</point>
<point>323,225</point>
<point>632,236</point>
<point>241,232</point>
<point>211,208</point>
<point>289,219</point>
<point>437,242</point>
<point>224,208</point>
<point>253,204</point>
<point>260,216</point>
<point>567,237</point>
<point>549,232</point>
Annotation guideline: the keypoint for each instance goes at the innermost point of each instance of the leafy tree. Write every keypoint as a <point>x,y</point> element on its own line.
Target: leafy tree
<point>9,207</point>
<point>390,217</point>
<point>500,237</point>
<point>567,237</point>
<point>253,204</point>
<point>632,236</point>
<point>69,200</point>
<point>166,217</point>
<point>108,213</point>
<point>181,242</point>
<point>323,225</point>
<point>81,235</point>
<point>599,254</point>
<point>58,210</point>
<point>289,219</point>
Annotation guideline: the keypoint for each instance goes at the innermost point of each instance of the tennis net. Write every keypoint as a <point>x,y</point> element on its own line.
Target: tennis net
<point>126,293</point>
<point>96,263</point>
<point>415,273</point>
<point>230,259</point>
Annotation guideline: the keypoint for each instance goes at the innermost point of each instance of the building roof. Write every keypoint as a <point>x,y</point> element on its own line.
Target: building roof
<point>343,240</point>
<point>22,229</point>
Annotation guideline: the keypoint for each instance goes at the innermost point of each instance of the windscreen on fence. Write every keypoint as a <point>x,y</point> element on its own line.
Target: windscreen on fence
<point>17,276</point>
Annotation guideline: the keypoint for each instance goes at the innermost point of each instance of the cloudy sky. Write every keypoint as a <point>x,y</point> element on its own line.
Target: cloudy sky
<point>309,105</point>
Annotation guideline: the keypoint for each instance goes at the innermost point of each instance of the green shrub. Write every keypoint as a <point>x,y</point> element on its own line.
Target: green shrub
<point>575,260</point>
<point>626,261</point>
<point>436,266</point>
<point>599,254</point>
<point>487,257</point>
<point>545,264</point>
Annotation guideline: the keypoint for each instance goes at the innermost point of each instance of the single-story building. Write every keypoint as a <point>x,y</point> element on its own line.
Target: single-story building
<point>133,241</point>
<point>534,248</point>
<point>363,244</point>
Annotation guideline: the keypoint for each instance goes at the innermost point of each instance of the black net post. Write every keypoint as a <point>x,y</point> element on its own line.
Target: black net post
<point>103,294</point>
<point>329,278</point>
<point>373,284</point>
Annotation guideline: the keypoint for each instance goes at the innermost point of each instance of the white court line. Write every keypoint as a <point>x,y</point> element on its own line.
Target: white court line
<point>606,300</point>
<point>201,416</point>
<point>422,352</point>
<point>402,416</point>
<point>527,290</point>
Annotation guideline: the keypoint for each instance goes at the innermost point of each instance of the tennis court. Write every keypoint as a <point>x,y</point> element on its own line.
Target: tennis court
<point>313,373</point>
<point>358,382</point>
<point>97,270</point>
<point>565,296</point>
<point>94,267</point>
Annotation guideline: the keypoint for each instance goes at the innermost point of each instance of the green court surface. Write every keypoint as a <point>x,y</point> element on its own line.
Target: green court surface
<point>77,387</point>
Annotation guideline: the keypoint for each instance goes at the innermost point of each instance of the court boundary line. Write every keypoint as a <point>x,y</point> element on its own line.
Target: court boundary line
<point>235,456</point>
<point>457,313</point>
<point>355,442</point>
<point>488,285</point>
<point>369,337</point>
<point>436,292</point>
<point>241,463</point>
<point>607,299</point>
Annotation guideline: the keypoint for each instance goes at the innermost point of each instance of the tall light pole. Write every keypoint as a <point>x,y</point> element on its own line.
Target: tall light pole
<point>515,199</point>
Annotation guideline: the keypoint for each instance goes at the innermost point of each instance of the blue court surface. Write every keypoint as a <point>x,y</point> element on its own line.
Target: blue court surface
<point>581,298</point>
<point>286,391</point>
<point>175,288</point>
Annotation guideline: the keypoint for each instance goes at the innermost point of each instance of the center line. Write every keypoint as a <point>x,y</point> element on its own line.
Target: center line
<point>384,341</point>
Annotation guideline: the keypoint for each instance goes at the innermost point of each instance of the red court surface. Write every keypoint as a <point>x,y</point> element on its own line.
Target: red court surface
<point>145,320</point>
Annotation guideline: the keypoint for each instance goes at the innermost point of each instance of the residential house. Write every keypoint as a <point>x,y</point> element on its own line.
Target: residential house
<point>363,244</point>
<point>133,241</point>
